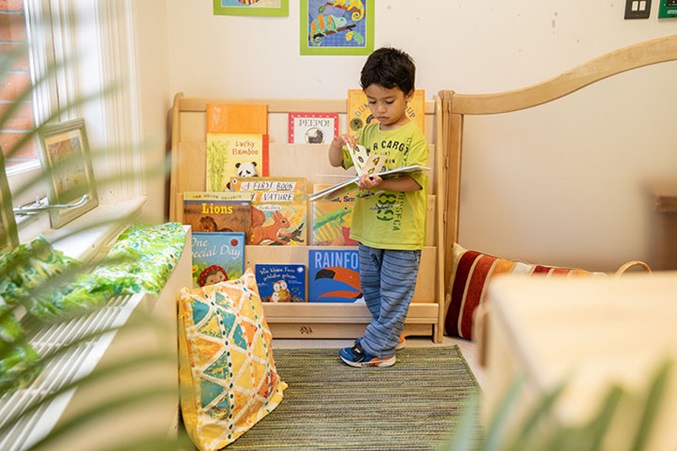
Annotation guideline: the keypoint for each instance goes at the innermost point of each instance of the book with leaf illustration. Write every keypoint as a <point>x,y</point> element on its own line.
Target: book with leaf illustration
<point>279,209</point>
<point>364,163</point>
<point>330,220</point>
<point>235,155</point>
<point>359,114</point>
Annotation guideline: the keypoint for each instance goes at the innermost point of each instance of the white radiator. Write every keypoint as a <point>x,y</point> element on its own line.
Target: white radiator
<point>156,416</point>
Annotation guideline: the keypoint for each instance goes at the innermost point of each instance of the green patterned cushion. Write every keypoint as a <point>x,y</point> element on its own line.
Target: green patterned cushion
<point>50,286</point>
<point>141,260</point>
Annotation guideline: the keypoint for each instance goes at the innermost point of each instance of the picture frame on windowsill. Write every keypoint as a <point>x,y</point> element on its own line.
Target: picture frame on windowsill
<point>66,161</point>
<point>9,238</point>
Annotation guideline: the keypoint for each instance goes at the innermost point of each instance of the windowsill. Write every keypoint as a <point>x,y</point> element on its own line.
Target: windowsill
<point>89,240</point>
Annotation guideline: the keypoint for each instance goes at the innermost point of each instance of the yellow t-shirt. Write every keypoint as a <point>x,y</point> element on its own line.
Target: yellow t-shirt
<point>391,219</point>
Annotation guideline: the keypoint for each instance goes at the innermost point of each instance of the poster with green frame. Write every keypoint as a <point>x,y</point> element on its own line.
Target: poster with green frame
<point>343,27</point>
<point>251,8</point>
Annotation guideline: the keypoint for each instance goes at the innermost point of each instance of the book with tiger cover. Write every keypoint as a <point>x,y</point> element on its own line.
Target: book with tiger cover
<point>217,256</point>
<point>235,155</point>
<point>359,114</point>
<point>330,220</point>
<point>279,209</point>
<point>218,212</point>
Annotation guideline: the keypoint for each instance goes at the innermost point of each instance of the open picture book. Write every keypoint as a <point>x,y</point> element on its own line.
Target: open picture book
<point>364,163</point>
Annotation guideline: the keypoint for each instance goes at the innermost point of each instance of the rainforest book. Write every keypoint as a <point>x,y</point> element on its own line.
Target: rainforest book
<point>330,220</point>
<point>313,128</point>
<point>359,114</point>
<point>235,155</point>
<point>217,256</point>
<point>334,275</point>
<point>218,212</point>
<point>279,212</point>
<point>281,282</point>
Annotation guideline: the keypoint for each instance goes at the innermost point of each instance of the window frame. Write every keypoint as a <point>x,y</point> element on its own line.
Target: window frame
<point>100,35</point>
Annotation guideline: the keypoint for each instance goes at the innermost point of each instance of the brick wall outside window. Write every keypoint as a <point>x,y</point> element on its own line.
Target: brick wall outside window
<point>12,35</point>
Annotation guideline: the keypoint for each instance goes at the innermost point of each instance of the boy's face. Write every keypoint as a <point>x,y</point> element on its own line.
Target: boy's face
<point>388,105</point>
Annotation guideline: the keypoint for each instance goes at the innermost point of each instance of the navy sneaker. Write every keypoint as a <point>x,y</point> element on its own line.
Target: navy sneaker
<point>356,357</point>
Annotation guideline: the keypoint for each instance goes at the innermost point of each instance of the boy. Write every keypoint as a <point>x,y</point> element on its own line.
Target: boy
<point>390,214</point>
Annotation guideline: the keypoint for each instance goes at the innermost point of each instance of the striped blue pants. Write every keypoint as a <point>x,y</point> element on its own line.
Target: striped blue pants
<point>388,280</point>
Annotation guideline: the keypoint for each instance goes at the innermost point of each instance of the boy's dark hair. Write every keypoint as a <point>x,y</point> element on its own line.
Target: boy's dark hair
<point>389,67</point>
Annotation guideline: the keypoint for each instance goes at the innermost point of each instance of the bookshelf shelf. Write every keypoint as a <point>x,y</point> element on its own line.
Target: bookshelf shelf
<point>314,320</point>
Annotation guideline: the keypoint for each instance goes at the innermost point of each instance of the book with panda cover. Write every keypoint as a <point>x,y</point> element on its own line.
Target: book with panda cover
<point>235,155</point>
<point>279,209</point>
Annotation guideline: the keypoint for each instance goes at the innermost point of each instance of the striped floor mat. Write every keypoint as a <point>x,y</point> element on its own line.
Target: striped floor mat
<point>412,405</point>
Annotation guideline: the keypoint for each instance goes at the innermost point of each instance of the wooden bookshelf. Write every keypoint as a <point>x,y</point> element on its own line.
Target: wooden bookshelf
<point>314,320</point>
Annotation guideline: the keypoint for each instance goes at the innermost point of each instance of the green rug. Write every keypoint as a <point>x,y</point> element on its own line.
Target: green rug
<point>413,405</point>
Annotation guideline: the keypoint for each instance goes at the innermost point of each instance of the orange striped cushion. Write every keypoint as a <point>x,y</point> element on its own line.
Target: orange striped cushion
<point>470,275</point>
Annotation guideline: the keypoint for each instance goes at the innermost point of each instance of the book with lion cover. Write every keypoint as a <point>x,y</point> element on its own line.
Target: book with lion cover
<point>359,114</point>
<point>218,212</point>
<point>279,209</point>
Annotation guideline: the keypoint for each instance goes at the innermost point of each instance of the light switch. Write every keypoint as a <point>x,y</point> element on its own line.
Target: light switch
<point>637,9</point>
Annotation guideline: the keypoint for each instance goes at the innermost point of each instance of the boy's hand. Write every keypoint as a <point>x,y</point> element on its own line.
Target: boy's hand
<point>336,148</point>
<point>367,181</point>
<point>346,140</point>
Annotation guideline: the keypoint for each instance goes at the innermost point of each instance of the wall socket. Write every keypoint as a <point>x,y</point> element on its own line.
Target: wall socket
<point>637,9</point>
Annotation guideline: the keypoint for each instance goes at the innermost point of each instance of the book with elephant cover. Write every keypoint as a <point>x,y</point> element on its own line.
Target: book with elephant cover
<point>279,209</point>
<point>334,275</point>
<point>217,256</point>
<point>218,212</point>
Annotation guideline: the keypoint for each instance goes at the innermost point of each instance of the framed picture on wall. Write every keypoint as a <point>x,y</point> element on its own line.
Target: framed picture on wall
<point>8,232</point>
<point>251,7</point>
<point>65,159</point>
<point>337,28</point>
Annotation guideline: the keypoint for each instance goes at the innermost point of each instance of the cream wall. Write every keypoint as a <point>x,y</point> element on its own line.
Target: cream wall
<point>152,68</point>
<point>563,183</point>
